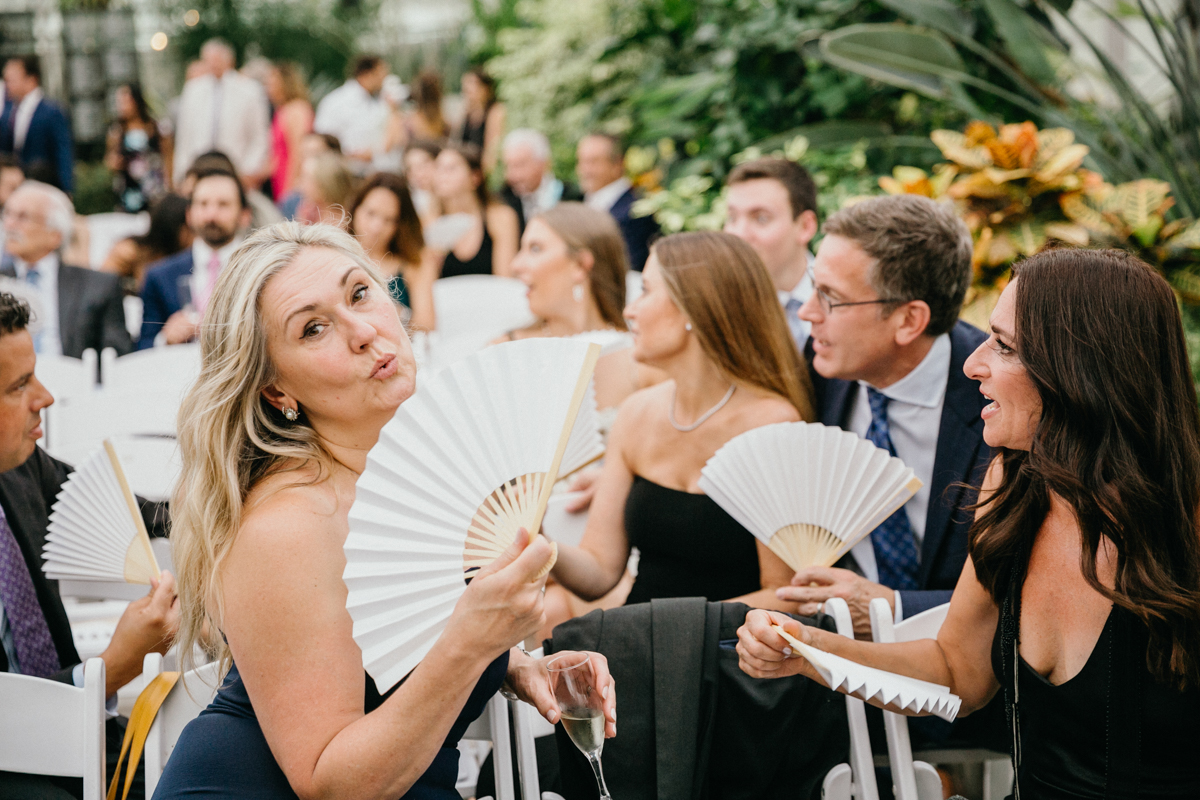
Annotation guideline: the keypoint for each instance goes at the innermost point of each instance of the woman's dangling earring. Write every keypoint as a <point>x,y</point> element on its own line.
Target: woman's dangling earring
<point>290,414</point>
<point>577,292</point>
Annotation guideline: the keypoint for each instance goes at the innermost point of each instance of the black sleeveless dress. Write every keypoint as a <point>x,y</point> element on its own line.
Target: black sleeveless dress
<point>1110,732</point>
<point>223,753</point>
<point>690,547</point>
<point>478,264</point>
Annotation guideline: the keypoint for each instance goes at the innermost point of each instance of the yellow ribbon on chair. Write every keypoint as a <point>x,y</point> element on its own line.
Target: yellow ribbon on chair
<point>145,709</point>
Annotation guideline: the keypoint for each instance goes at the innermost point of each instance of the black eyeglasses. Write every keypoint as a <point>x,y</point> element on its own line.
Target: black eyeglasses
<point>827,304</point>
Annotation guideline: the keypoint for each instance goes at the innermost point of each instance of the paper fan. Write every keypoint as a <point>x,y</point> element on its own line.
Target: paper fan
<point>868,683</point>
<point>468,460</point>
<point>610,339</point>
<point>96,532</point>
<point>807,491</point>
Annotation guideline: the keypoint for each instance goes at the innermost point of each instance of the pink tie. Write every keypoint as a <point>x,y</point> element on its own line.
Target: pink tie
<point>214,271</point>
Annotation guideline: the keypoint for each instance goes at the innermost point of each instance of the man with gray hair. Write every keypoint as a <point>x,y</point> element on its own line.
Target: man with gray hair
<point>78,307</point>
<point>530,186</point>
<point>226,111</point>
<point>888,350</point>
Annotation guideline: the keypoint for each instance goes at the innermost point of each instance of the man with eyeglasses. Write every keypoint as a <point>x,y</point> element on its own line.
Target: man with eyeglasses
<point>888,350</point>
<point>75,308</point>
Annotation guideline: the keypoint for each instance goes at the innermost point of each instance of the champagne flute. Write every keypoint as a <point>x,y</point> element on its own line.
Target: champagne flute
<point>572,680</point>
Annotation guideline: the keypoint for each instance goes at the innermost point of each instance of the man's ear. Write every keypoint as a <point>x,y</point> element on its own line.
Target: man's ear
<point>244,219</point>
<point>806,227</point>
<point>914,321</point>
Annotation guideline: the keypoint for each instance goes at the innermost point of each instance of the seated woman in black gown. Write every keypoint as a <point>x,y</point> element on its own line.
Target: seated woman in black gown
<point>709,318</point>
<point>304,361</point>
<point>1081,595</point>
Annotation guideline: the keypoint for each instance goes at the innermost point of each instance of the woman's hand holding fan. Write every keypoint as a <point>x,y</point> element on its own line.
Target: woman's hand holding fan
<point>764,653</point>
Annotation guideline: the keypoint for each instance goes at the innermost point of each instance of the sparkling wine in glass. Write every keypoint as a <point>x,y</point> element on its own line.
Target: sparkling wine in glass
<point>573,681</point>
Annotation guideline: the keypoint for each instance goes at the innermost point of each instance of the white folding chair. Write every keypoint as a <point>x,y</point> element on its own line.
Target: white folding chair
<point>187,699</point>
<point>172,367</point>
<point>78,426</point>
<point>105,230</point>
<point>472,310</point>
<point>67,377</point>
<point>53,728</point>
<point>914,777</point>
<point>133,316</point>
<point>856,779</point>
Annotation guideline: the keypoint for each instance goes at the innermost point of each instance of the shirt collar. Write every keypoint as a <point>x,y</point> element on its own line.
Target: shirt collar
<point>606,197</point>
<point>802,290</point>
<point>202,253</point>
<point>33,98</point>
<point>47,266</point>
<point>926,384</point>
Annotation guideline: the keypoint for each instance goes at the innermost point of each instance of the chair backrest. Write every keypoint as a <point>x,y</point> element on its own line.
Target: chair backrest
<point>862,763</point>
<point>105,230</point>
<point>191,695</point>
<point>472,310</point>
<point>79,426</point>
<point>158,368</point>
<point>53,728</point>
<point>67,377</point>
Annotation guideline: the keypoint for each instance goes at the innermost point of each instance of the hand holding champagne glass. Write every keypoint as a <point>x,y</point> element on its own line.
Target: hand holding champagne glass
<point>573,682</point>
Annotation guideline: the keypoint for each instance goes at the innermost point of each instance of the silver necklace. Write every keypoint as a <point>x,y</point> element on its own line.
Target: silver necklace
<point>686,428</point>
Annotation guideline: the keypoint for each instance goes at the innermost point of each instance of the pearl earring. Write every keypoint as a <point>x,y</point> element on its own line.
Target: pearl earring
<point>290,414</point>
<point>687,326</point>
<point>577,292</point>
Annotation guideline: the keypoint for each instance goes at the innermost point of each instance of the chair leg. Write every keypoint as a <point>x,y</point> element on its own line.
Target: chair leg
<point>501,748</point>
<point>836,785</point>
<point>997,779</point>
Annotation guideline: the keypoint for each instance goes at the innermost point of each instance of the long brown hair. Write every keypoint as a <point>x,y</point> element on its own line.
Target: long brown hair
<point>725,290</point>
<point>427,94</point>
<point>407,240</point>
<point>1100,336</point>
<point>584,228</point>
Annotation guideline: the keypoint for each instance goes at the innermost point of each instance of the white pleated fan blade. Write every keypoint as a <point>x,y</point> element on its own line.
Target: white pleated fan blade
<point>467,460</point>
<point>96,532</point>
<point>808,491</point>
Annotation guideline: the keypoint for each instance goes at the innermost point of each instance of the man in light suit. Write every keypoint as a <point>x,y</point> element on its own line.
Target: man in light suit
<point>224,111</point>
<point>600,165</point>
<point>530,186</point>
<point>34,129</point>
<point>888,351</point>
<point>217,214</point>
<point>35,634</point>
<point>79,308</point>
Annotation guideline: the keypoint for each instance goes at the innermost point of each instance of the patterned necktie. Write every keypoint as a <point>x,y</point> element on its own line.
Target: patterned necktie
<point>34,279</point>
<point>31,634</point>
<point>895,548</point>
<point>796,325</point>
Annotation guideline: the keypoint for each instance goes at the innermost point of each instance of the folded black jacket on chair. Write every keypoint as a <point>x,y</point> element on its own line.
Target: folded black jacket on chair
<point>690,724</point>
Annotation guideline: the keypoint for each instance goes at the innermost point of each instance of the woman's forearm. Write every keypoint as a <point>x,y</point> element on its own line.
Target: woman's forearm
<point>765,598</point>
<point>582,573</point>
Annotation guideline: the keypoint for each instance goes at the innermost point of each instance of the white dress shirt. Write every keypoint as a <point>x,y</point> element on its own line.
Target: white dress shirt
<point>231,115</point>
<point>604,198</point>
<point>201,255</point>
<point>803,290</point>
<point>355,116</point>
<point>25,109</point>
<point>914,419</point>
<point>546,196</point>
<point>49,338</point>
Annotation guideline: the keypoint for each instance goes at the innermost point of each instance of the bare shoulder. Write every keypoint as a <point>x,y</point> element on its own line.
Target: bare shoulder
<point>500,214</point>
<point>643,403</point>
<point>288,511</point>
<point>760,408</point>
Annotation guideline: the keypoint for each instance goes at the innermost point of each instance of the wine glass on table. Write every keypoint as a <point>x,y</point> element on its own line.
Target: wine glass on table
<point>573,682</point>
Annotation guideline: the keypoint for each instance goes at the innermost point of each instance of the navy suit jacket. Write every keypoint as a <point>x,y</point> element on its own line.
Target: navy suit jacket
<point>48,143</point>
<point>639,232</point>
<point>160,294</point>
<point>962,458</point>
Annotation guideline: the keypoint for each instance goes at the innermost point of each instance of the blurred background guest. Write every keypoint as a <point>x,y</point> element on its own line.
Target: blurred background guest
<point>708,318</point>
<point>168,234</point>
<point>78,307</point>
<point>530,186</point>
<point>356,113</point>
<point>11,176</point>
<point>419,159</point>
<point>293,120</point>
<point>483,122</point>
<point>35,129</point>
<point>600,165</point>
<point>226,111</point>
<point>386,223</point>
<point>326,184</point>
<point>311,144</point>
<point>262,211</point>
<point>460,187</point>
<point>136,152</point>
<point>426,122</point>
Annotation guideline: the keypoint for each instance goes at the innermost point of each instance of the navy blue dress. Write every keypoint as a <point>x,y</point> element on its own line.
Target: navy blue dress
<point>223,753</point>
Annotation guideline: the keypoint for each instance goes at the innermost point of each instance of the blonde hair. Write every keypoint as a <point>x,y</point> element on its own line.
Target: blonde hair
<point>584,228</point>
<point>725,290</point>
<point>333,178</point>
<point>230,438</point>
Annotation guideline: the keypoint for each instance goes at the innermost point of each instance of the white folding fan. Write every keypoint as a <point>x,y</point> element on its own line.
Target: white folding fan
<point>869,683</point>
<point>468,460</point>
<point>807,491</point>
<point>96,532</point>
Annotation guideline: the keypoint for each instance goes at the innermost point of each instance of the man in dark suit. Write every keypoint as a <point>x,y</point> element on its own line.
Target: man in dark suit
<point>35,634</point>
<point>600,165</point>
<point>34,129</point>
<point>80,308</point>
<point>217,214</point>
<point>888,351</point>
<point>530,186</point>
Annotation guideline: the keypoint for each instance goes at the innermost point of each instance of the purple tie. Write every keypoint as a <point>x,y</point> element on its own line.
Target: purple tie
<point>31,634</point>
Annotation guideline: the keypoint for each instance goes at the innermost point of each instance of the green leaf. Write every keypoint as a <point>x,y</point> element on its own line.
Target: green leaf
<point>940,15</point>
<point>913,58</point>
<point>1022,38</point>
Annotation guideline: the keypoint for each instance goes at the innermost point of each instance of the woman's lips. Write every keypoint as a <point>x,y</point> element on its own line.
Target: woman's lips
<point>385,368</point>
<point>990,410</point>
